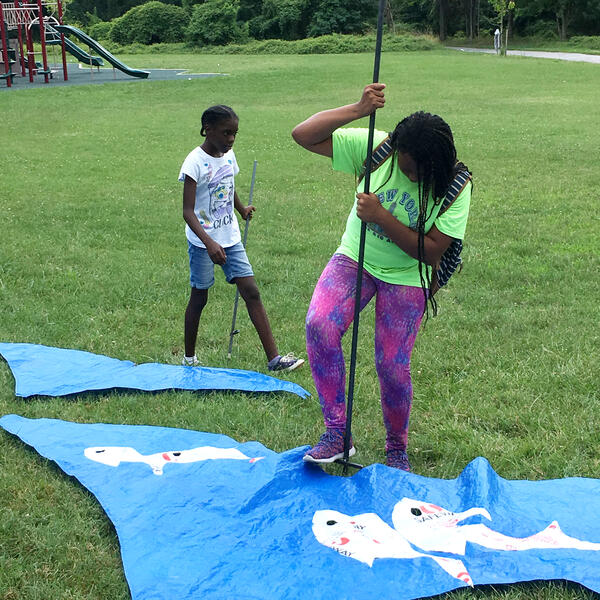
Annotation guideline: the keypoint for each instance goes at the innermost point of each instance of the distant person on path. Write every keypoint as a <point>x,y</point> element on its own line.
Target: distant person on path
<point>405,236</point>
<point>497,41</point>
<point>213,233</point>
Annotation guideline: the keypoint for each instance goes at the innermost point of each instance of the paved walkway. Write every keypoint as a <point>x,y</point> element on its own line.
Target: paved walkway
<point>573,56</point>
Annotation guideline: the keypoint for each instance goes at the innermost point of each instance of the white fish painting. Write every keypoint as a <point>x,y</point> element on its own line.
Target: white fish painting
<point>433,528</point>
<point>367,537</point>
<point>421,528</point>
<point>113,456</point>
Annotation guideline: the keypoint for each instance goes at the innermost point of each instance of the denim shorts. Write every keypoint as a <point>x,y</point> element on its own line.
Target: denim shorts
<point>202,268</point>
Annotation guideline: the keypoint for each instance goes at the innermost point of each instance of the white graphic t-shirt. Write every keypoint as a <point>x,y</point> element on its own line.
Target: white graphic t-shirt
<point>214,196</point>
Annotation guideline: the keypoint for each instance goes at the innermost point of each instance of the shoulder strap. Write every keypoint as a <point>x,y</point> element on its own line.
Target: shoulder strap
<point>458,184</point>
<point>380,154</point>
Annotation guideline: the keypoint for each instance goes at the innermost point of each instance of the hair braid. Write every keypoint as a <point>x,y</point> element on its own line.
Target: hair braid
<point>428,140</point>
<point>215,114</point>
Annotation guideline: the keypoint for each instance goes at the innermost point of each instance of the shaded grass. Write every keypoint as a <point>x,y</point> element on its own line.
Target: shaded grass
<point>93,257</point>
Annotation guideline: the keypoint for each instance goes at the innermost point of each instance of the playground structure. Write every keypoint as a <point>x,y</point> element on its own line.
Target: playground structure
<point>17,21</point>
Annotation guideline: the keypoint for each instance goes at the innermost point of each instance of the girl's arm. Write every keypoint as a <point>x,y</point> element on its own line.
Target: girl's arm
<point>245,211</point>
<point>314,134</point>
<point>215,251</point>
<point>370,210</point>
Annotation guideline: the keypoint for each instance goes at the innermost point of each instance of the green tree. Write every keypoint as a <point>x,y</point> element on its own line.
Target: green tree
<point>150,23</point>
<point>215,23</point>
<point>286,19</point>
<point>503,10</point>
<point>342,16</point>
<point>81,10</point>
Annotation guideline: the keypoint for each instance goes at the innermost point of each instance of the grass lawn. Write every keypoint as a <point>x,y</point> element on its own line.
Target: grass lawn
<point>93,257</point>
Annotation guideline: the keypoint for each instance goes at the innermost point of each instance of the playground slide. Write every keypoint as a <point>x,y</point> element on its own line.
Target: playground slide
<point>103,52</point>
<point>79,53</point>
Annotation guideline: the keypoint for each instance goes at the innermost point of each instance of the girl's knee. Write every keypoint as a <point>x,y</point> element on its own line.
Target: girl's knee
<point>198,299</point>
<point>251,295</point>
<point>320,327</point>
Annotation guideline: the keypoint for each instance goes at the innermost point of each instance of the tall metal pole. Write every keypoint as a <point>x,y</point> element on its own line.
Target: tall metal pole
<point>5,56</point>
<point>43,41</point>
<point>237,292</point>
<point>62,43</point>
<point>361,252</point>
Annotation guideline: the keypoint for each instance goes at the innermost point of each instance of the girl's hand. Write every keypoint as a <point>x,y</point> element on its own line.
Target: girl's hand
<point>368,208</point>
<point>372,98</point>
<point>246,212</point>
<point>216,253</point>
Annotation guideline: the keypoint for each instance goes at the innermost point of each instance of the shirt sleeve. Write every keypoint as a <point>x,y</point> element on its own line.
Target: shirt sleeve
<point>453,222</point>
<point>350,148</point>
<point>191,168</point>
<point>236,168</point>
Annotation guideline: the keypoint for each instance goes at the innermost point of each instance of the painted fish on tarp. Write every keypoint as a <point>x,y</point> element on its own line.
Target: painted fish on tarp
<point>199,515</point>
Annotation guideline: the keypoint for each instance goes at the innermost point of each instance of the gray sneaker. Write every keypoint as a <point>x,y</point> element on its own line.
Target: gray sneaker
<point>289,362</point>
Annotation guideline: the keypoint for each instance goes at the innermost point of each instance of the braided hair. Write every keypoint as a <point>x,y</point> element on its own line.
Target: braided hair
<point>428,140</point>
<point>216,114</point>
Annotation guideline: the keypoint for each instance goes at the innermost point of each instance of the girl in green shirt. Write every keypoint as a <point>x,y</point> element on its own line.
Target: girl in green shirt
<point>405,237</point>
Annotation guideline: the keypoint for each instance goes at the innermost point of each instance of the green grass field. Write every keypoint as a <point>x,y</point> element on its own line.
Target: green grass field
<point>93,257</point>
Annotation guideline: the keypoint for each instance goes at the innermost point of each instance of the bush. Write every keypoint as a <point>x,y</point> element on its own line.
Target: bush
<point>587,42</point>
<point>150,23</point>
<point>214,23</point>
<point>329,44</point>
<point>100,31</point>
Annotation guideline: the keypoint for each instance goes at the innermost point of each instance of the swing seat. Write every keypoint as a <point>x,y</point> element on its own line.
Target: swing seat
<point>42,72</point>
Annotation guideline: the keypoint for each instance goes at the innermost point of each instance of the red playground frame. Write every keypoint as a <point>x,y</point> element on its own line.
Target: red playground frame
<point>21,17</point>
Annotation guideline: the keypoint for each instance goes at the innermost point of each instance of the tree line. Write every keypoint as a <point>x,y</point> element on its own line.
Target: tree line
<point>299,19</point>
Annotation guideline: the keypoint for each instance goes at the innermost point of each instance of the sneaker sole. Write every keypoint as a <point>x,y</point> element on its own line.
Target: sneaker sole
<point>309,458</point>
<point>297,364</point>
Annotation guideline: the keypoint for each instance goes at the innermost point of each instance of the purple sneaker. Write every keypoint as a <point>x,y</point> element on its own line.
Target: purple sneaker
<point>289,362</point>
<point>329,448</point>
<point>397,459</point>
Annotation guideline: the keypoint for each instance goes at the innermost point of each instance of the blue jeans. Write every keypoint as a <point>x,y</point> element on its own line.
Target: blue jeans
<point>202,268</point>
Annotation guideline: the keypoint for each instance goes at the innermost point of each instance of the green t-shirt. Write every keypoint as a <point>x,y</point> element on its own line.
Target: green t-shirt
<point>400,196</point>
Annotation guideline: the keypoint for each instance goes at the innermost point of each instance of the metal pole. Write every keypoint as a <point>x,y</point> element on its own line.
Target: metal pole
<point>62,43</point>
<point>5,56</point>
<point>234,331</point>
<point>361,254</point>
<point>43,41</point>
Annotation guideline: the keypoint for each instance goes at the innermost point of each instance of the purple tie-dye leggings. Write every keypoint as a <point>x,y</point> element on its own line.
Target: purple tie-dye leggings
<point>398,313</point>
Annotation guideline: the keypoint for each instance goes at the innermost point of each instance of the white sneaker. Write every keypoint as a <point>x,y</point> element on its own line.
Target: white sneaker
<point>191,362</point>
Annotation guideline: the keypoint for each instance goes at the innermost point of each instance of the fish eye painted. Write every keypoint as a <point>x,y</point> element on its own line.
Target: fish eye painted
<point>331,522</point>
<point>176,453</point>
<point>416,511</point>
<point>100,451</point>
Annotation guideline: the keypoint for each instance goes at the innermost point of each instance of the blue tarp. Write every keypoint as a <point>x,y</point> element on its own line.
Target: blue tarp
<point>46,371</point>
<point>200,516</point>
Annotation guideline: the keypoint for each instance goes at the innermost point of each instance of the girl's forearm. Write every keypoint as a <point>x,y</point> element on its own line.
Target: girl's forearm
<point>237,203</point>
<point>435,242</point>
<point>320,126</point>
